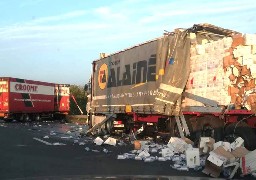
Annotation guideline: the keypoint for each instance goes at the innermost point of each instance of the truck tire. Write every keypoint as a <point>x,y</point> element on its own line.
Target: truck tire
<point>25,118</point>
<point>244,131</point>
<point>7,120</point>
<point>209,126</point>
<point>37,117</point>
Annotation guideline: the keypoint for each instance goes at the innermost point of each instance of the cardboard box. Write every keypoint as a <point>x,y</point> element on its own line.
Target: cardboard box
<point>227,155</point>
<point>240,152</point>
<point>237,143</point>
<point>212,169</point>
<point>249,39</point>
<point>237,40</point>
<point>206,144</point>
<point>192,157</point>
<point>248,163</point>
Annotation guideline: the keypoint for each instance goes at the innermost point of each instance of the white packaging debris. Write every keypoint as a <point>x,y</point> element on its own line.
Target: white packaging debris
<point>110,141</point>
<point>205,143</point>
<point>138,158</point>
<point>81,143</point>
<point>254,175</point>
<point>178,144</point>
<point>161,159</point>
<point>170,146</point>
<point>133,151</point>
<point>183,168</point>
<point>237,143</point>
<point>143,143</point>
<point>227,146</point>
<point>149,159</point>
<point>153,150</point>
<point>105,150</point>
<point>217,144</point>
<point>167,152</point>
<point>176,166</point>
<point>94,150</point>
<point>176,158</point>
<point>144,154</point>
<point>192,157</point>
<point>121,143</point>
<point>129,155</point>
<point>216,159</point>
<point>52,133</point>
<point>98,141</point>
<point>189,146</point>
<point>183,156</point>
<point>87,149</point>
<point>46,137</point>
<point>121,157</point>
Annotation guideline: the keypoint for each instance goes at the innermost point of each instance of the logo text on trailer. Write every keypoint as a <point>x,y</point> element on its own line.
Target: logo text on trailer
<point>26,88</point>
<point>131,74</point>
<point>102,76</point>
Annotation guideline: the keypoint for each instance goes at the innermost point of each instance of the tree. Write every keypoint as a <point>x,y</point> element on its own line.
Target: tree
<point>80,96</point>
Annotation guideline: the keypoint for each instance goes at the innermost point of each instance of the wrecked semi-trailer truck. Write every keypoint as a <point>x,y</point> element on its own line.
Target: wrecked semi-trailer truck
<point>198,81</point>
<point>25,100</point>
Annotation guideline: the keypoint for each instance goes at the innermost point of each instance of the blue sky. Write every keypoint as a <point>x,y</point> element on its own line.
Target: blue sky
<point>56,40</point>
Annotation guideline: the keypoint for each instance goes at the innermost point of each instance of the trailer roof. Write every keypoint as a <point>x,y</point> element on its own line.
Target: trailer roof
<point>196,28</point>
<point>63,85</point>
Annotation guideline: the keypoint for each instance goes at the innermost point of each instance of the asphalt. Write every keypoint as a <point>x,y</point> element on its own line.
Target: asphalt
<point>24,154</point>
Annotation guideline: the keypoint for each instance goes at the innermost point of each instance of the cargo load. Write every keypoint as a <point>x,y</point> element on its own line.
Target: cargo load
<point>215,63</point>
<point>197,82</point>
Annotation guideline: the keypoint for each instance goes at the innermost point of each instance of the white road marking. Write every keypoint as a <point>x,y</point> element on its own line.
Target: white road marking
<point>42,141</point>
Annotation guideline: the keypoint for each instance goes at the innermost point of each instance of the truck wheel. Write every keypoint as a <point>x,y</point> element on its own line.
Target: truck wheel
<point>209,126</point>
<point>244,131</point>
<point>25,118</point>
<point>7,120</point>
<point>128,125</point>
<point>37,118</point>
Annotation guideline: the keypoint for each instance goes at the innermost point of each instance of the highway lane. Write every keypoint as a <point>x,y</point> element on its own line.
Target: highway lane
<point>33,150</point>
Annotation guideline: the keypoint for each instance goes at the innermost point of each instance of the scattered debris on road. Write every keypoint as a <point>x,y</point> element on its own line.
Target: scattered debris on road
<point>216,159</point>
<point>98,141</point>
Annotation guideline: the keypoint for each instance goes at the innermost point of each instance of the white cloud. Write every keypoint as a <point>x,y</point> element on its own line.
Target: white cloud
<point>108,14</point>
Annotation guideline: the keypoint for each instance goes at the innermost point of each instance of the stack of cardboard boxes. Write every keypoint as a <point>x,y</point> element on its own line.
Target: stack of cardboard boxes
<point>223,70</point>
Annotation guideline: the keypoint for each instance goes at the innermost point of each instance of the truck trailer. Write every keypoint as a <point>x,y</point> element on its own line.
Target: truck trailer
<point>191,82</point>
<point>25,100</point>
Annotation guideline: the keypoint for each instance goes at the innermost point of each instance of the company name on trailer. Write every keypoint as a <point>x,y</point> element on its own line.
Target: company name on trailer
<point>26,87</point>
<point>135,73</point>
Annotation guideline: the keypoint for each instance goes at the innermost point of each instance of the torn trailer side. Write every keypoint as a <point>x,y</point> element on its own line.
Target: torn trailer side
<point>205,74</point>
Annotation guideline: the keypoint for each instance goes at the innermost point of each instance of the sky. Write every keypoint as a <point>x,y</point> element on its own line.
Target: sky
<point>57,40</point>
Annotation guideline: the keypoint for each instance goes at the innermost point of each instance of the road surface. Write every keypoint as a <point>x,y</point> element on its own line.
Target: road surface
<point>51,150</point>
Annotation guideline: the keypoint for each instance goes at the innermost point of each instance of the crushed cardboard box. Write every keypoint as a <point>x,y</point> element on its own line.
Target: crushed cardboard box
<point>206,144</point>
<point>248,163</point>
<point>110,141</point>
